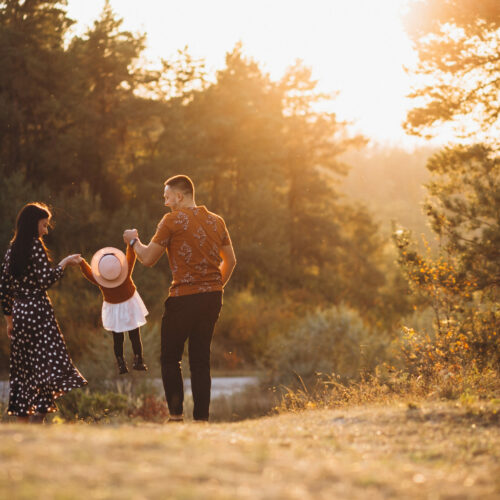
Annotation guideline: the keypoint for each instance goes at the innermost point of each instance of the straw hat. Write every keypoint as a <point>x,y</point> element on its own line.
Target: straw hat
<point>109,267</point>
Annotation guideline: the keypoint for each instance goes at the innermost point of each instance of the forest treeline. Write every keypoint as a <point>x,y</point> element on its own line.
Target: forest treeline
<point>90,131</point>
<point>87,128</point>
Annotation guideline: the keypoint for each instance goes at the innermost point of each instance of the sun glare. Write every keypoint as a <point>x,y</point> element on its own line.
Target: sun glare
<point>357,47</point>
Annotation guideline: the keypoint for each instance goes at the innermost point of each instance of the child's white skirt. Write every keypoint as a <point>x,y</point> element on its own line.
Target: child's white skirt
<point>124,316</point>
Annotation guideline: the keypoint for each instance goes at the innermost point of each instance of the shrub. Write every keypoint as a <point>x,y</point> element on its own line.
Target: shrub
<point>463,307</point>
<point>151,408</point>
<point>327,341</point>
<point>247,323</point>
<point>463,340</point>
<point>81,404</point>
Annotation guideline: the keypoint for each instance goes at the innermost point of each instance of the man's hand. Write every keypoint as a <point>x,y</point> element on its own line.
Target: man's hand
<point>227,264</point>
<point>10,326</point>
<point>147,254</point>
<point>129,235</point>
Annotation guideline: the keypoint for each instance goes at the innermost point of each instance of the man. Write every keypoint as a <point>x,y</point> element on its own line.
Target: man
<point>202,259</point>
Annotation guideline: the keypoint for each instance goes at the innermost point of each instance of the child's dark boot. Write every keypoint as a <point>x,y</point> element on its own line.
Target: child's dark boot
<point>122,365</point>
<point>139,363</point>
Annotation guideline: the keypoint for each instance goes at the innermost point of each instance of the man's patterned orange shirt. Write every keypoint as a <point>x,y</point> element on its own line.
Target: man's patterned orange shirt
<point>193,238</point>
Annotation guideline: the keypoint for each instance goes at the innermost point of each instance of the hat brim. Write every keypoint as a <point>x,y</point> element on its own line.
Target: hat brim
<point>94,265</point>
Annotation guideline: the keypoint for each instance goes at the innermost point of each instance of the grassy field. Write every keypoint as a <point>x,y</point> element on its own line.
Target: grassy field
<point>432,451</point>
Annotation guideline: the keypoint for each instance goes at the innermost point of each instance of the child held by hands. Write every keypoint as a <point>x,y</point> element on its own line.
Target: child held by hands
<point>123,309</point>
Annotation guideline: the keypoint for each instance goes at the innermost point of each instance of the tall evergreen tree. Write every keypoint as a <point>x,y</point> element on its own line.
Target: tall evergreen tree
<point>459,67</point>
<point>33,83</point>
<point>464,209</point>
<point>313,141</point>
<point>457,42</point>
<point>108,111</point>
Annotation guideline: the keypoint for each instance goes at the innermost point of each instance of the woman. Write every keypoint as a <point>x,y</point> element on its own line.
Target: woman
<point>40,367</point>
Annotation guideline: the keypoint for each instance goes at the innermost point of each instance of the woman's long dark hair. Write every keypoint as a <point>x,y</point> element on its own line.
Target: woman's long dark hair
<point>26,230</point>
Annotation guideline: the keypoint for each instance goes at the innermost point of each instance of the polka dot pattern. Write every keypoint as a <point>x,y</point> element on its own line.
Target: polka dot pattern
<point>40,367</point>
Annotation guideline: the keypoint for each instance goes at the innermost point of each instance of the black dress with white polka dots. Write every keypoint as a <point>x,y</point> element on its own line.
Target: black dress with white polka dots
<point>40,367</point>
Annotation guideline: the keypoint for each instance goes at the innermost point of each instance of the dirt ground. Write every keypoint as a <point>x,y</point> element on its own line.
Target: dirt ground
<point>430,451</point>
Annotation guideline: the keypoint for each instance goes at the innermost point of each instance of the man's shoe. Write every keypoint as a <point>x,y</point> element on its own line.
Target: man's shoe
<point>139,363</point>
<point>122,366</point>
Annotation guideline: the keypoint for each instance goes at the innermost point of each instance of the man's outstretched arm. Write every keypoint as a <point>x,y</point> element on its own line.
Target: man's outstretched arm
<point>228,263</point>
<point>149,254</point>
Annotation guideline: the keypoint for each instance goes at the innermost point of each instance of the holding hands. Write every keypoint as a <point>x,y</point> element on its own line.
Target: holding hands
<point>71,260</point>
<point>147,254</point>
<point>129,235</point>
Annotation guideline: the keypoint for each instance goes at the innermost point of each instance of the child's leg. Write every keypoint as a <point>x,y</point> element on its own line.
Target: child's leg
<point>118,338</point>
<point>135,339</point>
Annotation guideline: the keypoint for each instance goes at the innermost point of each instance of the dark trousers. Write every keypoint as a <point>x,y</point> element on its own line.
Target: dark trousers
<point>190,317</point>
<point>135,339</point>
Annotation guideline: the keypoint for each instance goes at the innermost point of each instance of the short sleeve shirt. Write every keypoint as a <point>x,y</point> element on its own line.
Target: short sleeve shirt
<point>193,238</point>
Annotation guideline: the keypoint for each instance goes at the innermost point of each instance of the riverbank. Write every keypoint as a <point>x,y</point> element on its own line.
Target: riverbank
<point>432,451</point>
<point>221,386</point>
<point>233,398</point>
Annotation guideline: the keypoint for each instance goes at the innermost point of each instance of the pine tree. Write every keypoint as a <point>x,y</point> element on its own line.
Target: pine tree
<point>459,68</point>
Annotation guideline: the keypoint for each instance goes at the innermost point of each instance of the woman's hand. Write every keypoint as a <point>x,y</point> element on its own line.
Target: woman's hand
<point>71,260</point>
<point>10,326</point>
<point>76,259</point>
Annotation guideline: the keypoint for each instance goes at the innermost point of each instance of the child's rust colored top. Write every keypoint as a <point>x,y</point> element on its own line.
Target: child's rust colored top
<point>120,293</point>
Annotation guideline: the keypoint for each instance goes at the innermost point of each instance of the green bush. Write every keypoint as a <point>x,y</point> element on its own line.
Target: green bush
<point>333,340</point>
<point>151,408</point>
<point>82,404</point>
<point>248,322</point>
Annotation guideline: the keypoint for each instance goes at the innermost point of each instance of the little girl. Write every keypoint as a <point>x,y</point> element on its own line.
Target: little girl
<point>123,309</point>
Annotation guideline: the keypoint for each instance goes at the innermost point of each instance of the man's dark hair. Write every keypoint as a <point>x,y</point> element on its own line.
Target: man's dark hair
<point>182,183</point>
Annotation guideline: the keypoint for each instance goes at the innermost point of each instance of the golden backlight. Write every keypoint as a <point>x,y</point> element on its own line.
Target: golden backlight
<point>358,47</point>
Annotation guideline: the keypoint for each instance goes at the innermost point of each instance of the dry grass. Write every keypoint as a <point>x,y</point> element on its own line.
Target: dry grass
<point>392,387</point>
<point>435,451</point>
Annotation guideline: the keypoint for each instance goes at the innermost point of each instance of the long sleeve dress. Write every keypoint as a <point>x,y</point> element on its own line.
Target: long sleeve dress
<point>40,367</point>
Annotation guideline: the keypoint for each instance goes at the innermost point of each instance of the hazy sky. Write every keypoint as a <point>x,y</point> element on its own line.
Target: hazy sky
<point>355,46</point>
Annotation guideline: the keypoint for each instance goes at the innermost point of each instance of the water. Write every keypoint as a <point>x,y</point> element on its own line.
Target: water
<point>225,386</point>
<point>221,386</point>
<point>4,391</point>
